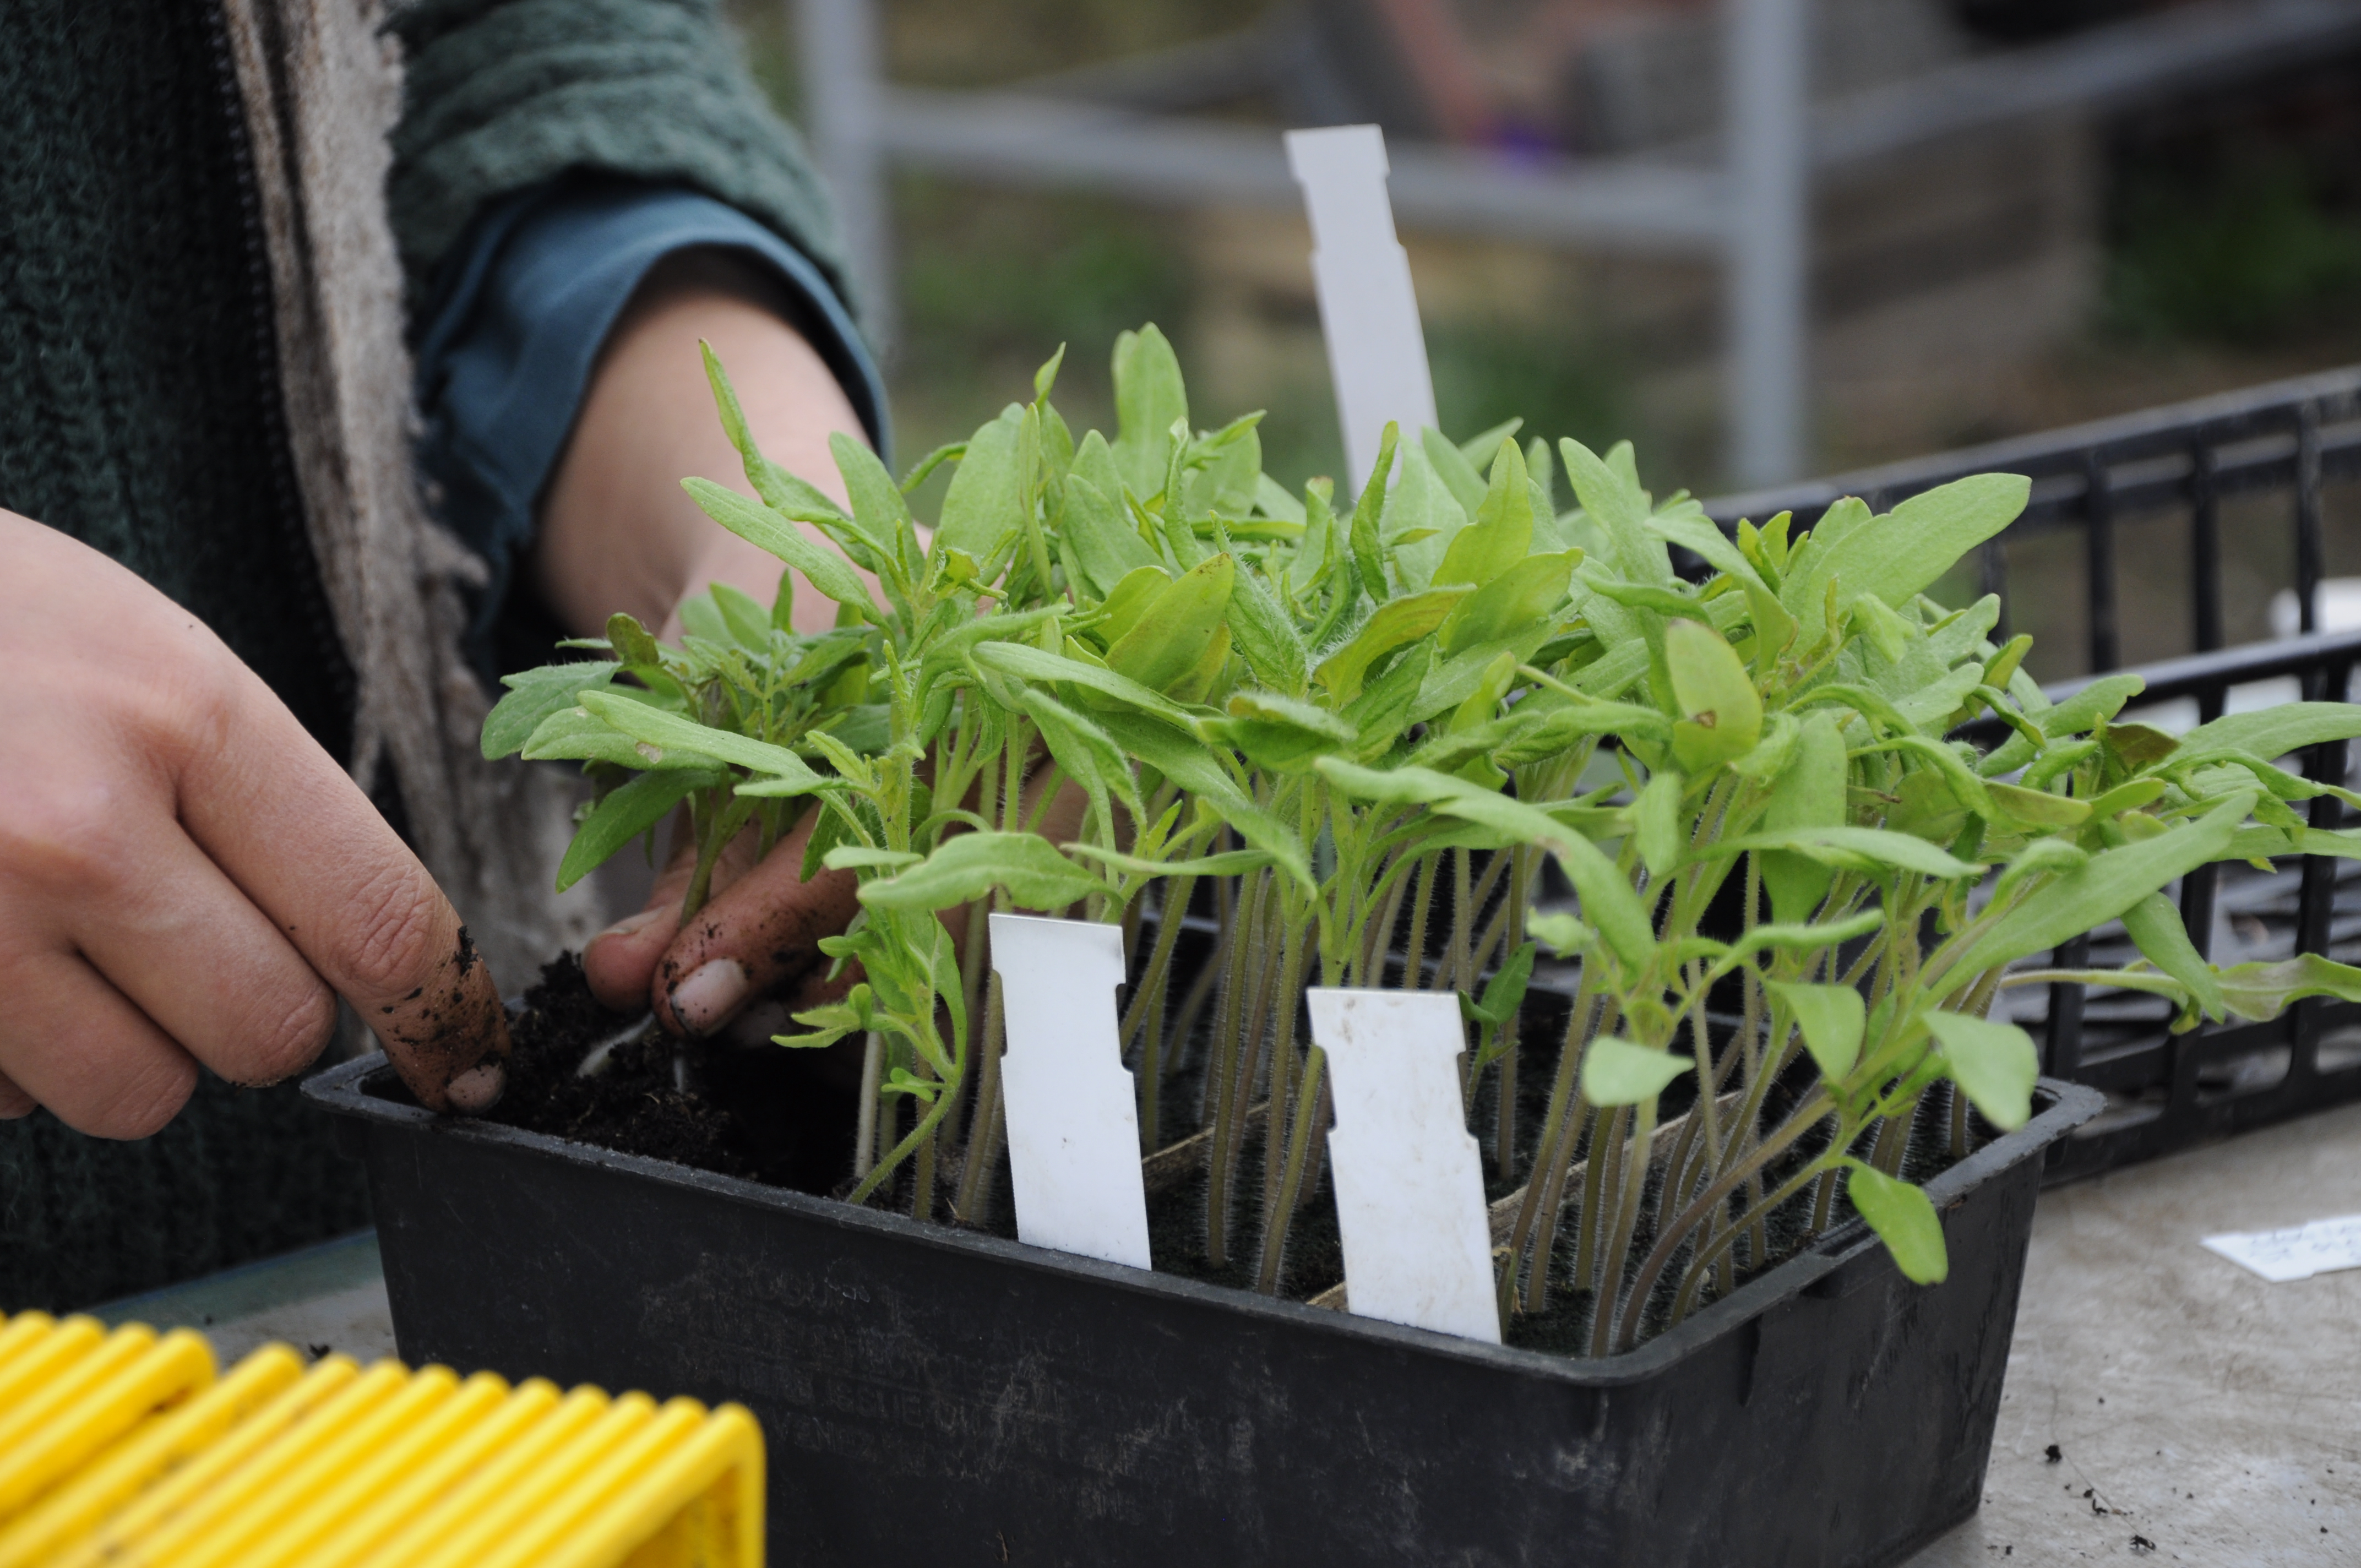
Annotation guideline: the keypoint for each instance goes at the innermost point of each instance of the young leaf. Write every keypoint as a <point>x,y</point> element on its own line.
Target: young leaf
<point>1368,511</point>
<point>1173,632</point>
<point>1396,622</point>
<point>982,514</point>
<point>971,865</point>
<point>1564,935</point>
<point>1903,1220</point>
<point>2263,991</point>
<point>670,731</point>
<point>748,623</point>
<point>625,812</point>
<point>1501,532</point>
<point>1105,543</point>
<point>1722,711</point>
<point>1832,1017</point>
<point>1150,399</point>
<point>2270,732</point>
<point>1656,823</point>
<point>1515,600</point>
<point>1616,1073</point>
<point>1994,1064</point>
<point>2092,895</point>
<point>2155,923</point>
<point>1032,665</point>
<point>533,696</point>
<point>760,526</point>
<point>1265,635</point>
<point>1810,793</point>
<point>1902,553</point>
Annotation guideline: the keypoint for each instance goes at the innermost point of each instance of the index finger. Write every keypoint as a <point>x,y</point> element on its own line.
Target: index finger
<point>307,847</point>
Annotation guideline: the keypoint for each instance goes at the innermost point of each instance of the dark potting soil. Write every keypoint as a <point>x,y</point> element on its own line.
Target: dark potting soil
<point>754,1112</point>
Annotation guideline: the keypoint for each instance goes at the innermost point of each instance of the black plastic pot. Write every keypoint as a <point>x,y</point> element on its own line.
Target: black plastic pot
<point>932,1396</point>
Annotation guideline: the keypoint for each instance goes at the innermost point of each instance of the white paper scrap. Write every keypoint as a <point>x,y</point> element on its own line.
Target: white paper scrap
<point>1368,310</point>
<point>1073,1131</point>
<point>1410,1187</point>
<point>2324,1246</point>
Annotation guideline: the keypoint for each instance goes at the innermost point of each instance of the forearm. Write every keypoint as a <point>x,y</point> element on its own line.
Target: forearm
<point>616,533</point>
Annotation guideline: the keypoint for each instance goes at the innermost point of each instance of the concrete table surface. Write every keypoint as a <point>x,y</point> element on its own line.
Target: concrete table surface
<point>2201,1414</point>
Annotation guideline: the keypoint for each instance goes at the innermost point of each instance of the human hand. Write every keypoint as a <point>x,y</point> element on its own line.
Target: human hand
<point>186,877</point>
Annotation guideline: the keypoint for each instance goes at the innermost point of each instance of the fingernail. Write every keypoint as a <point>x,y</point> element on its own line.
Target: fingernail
<point>478,1089</point>
<point>758,1024</point>
<point>625,926</point>
<point>709,995</point>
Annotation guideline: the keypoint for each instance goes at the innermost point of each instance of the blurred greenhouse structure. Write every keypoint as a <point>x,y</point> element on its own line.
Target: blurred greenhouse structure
<point>1774,234</point>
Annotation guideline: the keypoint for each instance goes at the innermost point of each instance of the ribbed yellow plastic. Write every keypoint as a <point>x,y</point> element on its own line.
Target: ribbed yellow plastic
<point>123,1447</point>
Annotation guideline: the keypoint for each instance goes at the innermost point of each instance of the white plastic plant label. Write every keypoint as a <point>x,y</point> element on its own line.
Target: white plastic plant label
<point>2298,1251</point>
<point>1410,1187</point>
<point>1073,1133</point>
<point>1368,311</point>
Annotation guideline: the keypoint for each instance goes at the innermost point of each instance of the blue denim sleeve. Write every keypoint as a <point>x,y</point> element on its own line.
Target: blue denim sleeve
<point>510,340</point>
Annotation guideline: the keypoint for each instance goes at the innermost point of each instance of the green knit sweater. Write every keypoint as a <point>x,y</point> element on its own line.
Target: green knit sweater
<point>140,411</point>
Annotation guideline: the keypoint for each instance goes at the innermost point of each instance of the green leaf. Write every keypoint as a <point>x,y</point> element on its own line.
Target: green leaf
<point>1656,824</point>
<point>2086,709</point>
<point>1856,848</point>
<point>1362,537</point>
<point>2155,923</point>
<point>1562,932</point>
<point>670,731</point>
<point>1420,519</point>
<point>1229,863</point>
<point>1031,663</point>
<point>982,511</point>
<point>576,734</point>
<point>1501,532</point>
<point>971,865</point>
<point>2271,732</point>
<point>1722,711</point>
<point>2101,889</point>
<point>825,570</point>
<point>533,696</point>
<point>1150,399</point>
<point>1264,634</point>
<point>1902,553</point>
<point>625,812</point>
<point>1396,622</point>
<point>1611,495</point>
<point>2260,991</point>
<point>1832,1017</point>
<point>1105,542</point>
<point>1903,1220</point>
<point>1173,635</point>
<point>1616,1072</point>
<point>748,620</point>
<point>1515,600</point>
<point>1505,992</point>
<point>1809,795</point>
<point>1994,1064</point>
<point>2039,808</point>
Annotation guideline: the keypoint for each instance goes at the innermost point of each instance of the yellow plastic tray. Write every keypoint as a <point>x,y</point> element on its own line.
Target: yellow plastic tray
<point>124,1448</point>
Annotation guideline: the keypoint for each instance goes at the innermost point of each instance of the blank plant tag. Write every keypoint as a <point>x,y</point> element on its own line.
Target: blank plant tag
<point>1376,354</point>
<point>1410,1189</point>
<point>2299,1252</point>
<point>1073,1134</point>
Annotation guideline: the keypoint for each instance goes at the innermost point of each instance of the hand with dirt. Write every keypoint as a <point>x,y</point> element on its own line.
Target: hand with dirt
<point>617,533</point>
<point>186,877</point>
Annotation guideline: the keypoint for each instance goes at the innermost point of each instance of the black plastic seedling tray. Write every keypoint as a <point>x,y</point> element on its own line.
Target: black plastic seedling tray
<point>940,1396</point>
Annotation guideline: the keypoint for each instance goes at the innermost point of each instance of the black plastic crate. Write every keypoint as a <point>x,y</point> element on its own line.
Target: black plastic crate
<point>2285,439</point>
